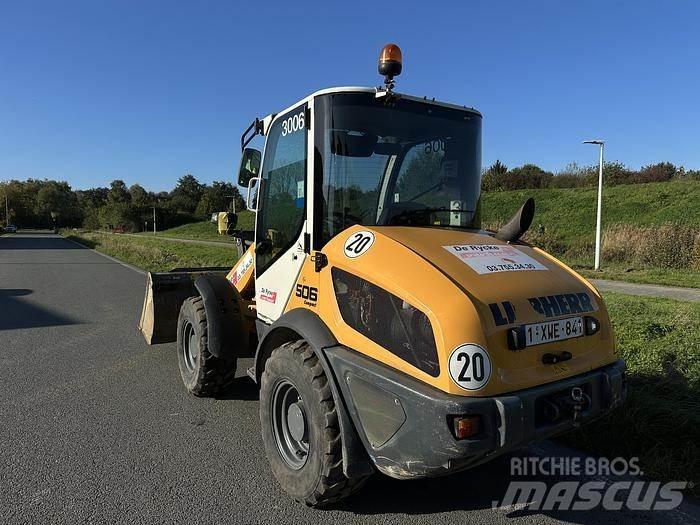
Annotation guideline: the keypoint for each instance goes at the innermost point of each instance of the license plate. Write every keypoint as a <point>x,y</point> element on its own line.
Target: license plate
<point>549,331</point>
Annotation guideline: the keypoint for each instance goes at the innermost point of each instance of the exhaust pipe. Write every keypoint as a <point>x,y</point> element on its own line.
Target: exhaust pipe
<point>518,225</point>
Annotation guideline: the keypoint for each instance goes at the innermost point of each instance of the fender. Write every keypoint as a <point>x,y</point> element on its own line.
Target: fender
<point>227,333</point>
<point>301,323</point>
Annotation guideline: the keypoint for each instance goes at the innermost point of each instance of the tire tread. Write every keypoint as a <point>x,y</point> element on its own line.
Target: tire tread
<point>332,485</point>
<point>214,374</point>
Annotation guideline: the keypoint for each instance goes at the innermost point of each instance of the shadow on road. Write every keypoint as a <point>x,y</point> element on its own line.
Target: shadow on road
<point>242,389</point>
<point>479,488</point>
<point>37,242</point>
<point>17,313</point>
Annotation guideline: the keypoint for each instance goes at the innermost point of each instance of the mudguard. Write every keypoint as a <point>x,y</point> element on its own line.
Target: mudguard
<point>301,323</point>
<point>227,327</point>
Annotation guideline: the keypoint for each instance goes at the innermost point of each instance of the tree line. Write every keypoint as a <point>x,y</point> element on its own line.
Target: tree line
<point>50,203</point>
<point>498,177</point>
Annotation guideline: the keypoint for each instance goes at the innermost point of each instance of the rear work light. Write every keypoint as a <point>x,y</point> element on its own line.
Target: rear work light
<point>465,427</point>
<point>591,325</point>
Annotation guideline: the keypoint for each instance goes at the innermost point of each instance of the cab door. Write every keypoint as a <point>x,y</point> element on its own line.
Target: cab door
<point>281,223</point>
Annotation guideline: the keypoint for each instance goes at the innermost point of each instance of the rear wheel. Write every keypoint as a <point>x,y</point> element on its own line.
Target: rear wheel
<point>202,373</point>
<point>300,427</point>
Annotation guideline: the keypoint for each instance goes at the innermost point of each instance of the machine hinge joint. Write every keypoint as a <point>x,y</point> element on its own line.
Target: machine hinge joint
<point>320,261</point>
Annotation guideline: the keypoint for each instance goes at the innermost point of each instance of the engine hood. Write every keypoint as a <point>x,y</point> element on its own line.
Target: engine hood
<point>513,286</point>
<point>487,269</point>
<point>480,296</point>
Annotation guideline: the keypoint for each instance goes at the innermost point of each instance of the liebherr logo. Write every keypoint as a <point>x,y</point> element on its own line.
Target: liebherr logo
<point>631,494</point>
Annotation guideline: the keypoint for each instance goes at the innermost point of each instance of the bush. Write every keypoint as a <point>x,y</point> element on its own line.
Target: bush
<point>529,176</point>
<point>574,176</point>
<point>622,242</point>
<point>91,221</point>
<point>668,246</point>
<point>660,172</point>
<point>665,246</point>
<point>695,258</point>
<point>546,240</point>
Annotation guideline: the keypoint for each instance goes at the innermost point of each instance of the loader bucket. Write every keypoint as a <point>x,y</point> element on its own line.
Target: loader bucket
<point>165,293</point>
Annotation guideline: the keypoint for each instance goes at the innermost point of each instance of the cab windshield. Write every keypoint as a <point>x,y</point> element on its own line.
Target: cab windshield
<point>395,162</point>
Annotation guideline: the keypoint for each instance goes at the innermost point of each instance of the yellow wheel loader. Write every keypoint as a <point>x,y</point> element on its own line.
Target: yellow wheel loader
<point>388,331</point>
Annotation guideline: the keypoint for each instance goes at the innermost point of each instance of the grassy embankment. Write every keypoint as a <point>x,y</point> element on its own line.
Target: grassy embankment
<point>205,230</point>
<point>650,230</point>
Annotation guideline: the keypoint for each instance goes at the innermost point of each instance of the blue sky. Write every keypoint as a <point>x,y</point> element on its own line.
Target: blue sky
<point>145,91</point>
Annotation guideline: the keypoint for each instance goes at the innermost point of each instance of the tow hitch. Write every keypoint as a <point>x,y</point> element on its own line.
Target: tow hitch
<point>569,404</point>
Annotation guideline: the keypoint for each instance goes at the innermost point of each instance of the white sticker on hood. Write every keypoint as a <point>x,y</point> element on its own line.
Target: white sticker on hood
<point>494,258</point>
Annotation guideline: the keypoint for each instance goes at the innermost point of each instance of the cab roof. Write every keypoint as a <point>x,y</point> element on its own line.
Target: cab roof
<point>363,89</point>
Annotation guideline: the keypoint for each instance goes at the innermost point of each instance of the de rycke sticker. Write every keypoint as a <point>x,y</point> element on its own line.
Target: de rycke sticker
<point>242,269</point>
<point>494,258</point>
<point>470,366</point>
<point>358,243</point>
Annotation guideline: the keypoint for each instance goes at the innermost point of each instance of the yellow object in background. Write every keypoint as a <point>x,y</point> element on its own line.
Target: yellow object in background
<point>222,222</point>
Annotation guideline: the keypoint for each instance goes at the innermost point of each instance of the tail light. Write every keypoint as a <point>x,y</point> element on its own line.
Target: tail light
<point>465,427</point>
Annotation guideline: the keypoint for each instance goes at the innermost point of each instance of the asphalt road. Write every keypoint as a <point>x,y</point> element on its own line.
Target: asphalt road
<point>95,426</point>
<point>649,290</point>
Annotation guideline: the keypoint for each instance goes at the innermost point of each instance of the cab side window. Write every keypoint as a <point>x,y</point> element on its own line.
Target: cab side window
<point>283,191</point>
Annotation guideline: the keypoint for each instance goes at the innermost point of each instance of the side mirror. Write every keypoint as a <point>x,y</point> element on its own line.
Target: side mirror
<point>250,166</point>
<point>518,225</point>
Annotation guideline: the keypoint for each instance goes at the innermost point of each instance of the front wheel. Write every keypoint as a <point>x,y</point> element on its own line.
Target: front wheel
<point>202,373</point>
<point>300,427</point>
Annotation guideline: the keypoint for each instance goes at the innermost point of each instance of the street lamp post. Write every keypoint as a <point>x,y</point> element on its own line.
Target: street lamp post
<point>600,143</point>
<point>233,201</point>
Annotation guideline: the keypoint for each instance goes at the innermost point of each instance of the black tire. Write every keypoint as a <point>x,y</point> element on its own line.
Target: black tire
<point>319,481</point>
<point>203,374</point>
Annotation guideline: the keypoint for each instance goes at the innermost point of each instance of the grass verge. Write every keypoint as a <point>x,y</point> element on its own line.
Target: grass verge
<point>660,422</point>
<point>156,255</point>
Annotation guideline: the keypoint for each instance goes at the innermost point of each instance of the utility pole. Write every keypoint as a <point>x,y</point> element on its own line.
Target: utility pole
<point>600,143</point>
<point>233,201</point>
<point>7,211</point>
<point>154,220</point>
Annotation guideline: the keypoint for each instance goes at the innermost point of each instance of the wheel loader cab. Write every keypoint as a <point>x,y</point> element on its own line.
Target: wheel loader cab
<point>345,157</point>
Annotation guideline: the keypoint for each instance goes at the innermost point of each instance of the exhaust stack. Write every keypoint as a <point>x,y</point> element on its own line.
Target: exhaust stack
<point>518,225</point>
